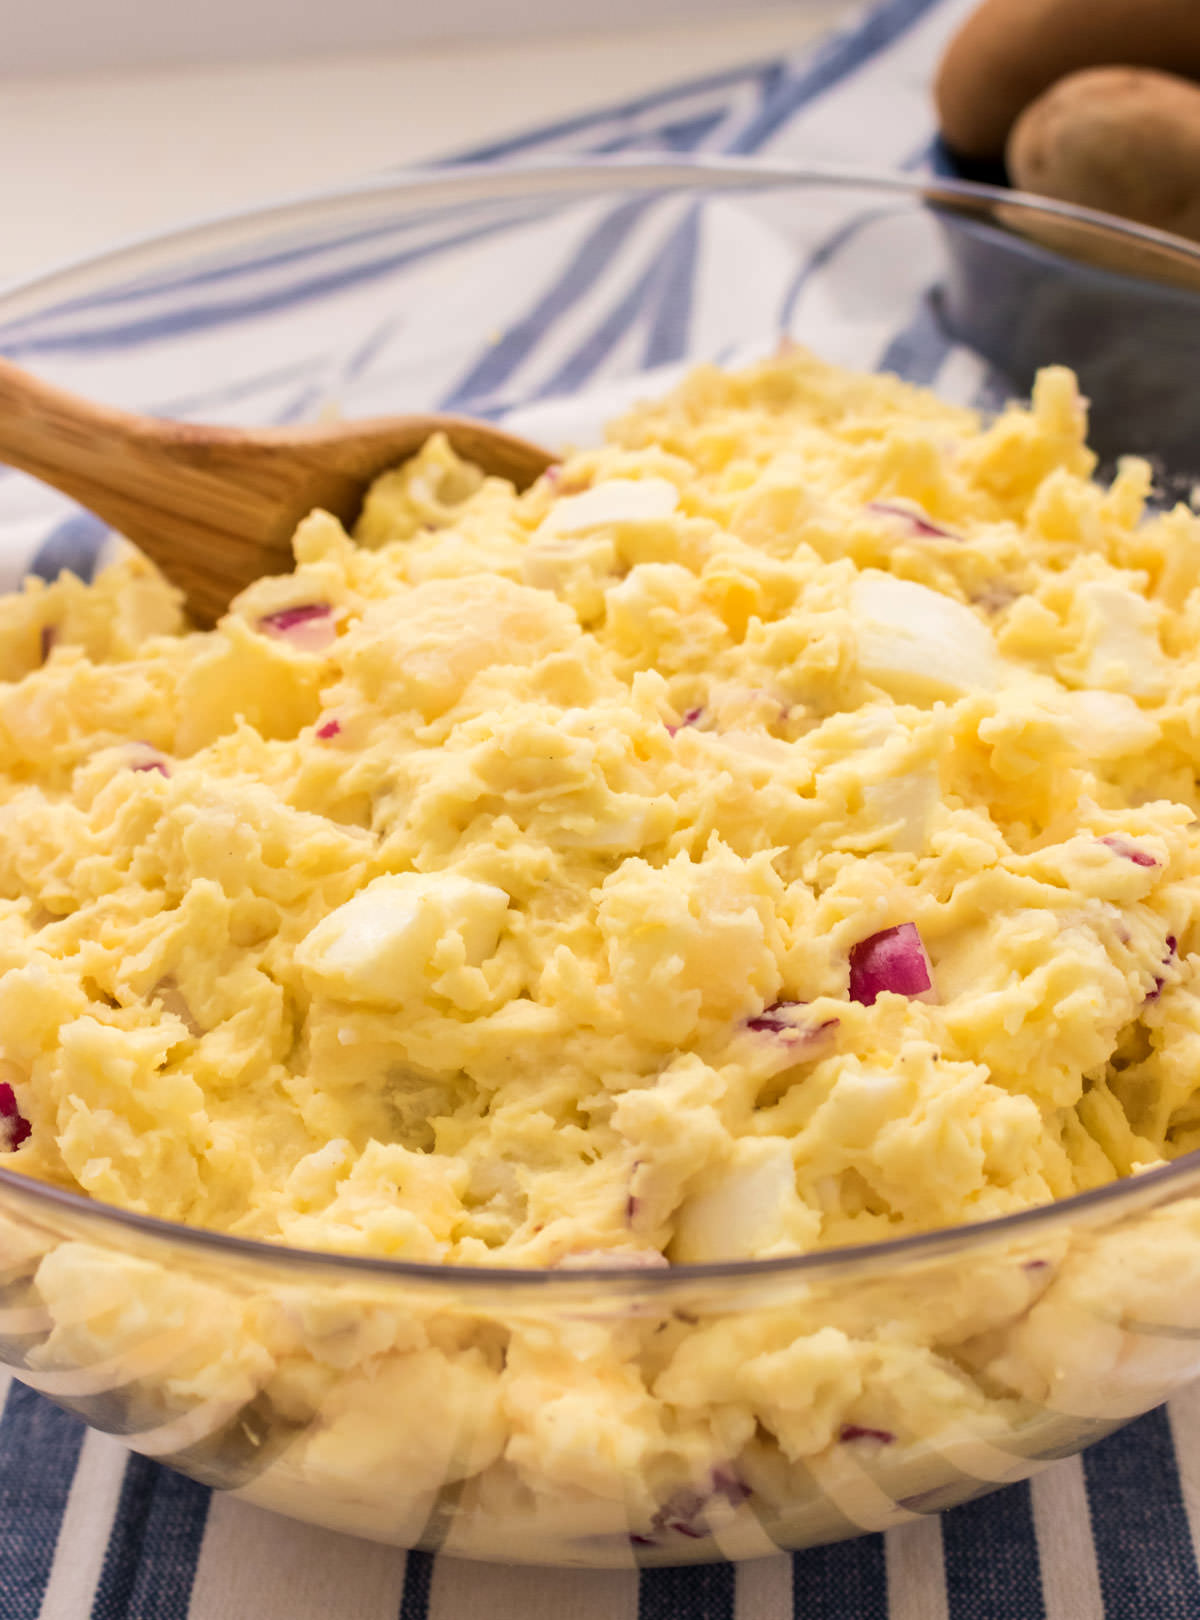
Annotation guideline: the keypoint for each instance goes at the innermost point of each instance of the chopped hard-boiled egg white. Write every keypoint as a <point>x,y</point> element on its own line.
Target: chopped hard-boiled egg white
<point>919,645</point>
<point>1108,725</point>
<point>1120,638</point>
<point>745,1210</point>
<point>616,500</point>
<point>395,936</point>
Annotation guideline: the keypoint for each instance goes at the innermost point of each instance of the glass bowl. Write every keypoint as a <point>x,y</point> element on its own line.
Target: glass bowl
<point>601,1417</point>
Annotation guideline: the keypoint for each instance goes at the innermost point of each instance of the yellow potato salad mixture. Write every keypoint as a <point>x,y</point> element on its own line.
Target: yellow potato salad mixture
<point>775,829</point>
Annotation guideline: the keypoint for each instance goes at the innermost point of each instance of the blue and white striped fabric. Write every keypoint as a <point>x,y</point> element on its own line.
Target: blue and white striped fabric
<point>88,1531</point>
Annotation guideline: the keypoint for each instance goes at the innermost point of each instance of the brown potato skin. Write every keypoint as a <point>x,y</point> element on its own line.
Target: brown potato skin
<point>1124,140</point>
<point>1009,51</point>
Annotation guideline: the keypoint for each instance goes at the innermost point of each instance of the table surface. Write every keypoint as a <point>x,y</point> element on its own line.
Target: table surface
<point>108,156</point>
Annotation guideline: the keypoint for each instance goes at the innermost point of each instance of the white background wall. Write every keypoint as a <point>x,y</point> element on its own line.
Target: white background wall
<point>129,149</point>
<point>50,36</point>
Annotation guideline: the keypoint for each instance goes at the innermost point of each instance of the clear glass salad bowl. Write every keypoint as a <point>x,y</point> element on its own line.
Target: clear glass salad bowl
<point>568,1417</point>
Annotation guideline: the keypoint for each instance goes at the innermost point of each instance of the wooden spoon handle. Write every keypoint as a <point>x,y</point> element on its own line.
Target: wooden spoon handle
<point>84,450</point>
<point>158,483</point>
<point>216,507</point>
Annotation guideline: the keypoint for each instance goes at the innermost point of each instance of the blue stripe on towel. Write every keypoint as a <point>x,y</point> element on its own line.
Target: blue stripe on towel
<point>207,401</point>
<point>558,135</point>
<point>418,1578</point>
<point>584,267</point>
<point>844,54</point>
<point>695,1592</point>
<point>990,1550</point>
<point>168,281</point>
<point>671,316</point>
<point>39,1450</point>
<point>919,352</point>
<point>152,1553</point>
<point>1139,1524</point>
<point>152,328</point>
<point>667,274</point>
<point>684,136</point>
<point>71,547</point>
<point>581,365</point>
<point>846,1579</point>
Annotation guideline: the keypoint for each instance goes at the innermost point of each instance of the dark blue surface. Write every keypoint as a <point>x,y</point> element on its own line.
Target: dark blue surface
<point>991,1558</point>
<point>418,1577</point>
<point>704,1592</point>
<point>847,1581</point>
<point>1143,1545</point>
<point>39,1449</point>
<point>72,546</point>
<point>151,1560</point>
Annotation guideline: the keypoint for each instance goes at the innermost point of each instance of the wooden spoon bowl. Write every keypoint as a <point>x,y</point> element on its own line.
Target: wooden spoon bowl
<point>216,507</point>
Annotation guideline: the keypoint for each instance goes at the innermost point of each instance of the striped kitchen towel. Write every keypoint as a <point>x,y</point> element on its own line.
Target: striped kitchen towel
<point>86,1530</point>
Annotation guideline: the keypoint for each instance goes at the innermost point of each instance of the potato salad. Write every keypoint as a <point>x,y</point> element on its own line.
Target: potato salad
<point>775,829</point>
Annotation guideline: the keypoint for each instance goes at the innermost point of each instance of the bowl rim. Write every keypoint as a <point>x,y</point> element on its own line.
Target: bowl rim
<point>811,1265</point>
<point>453,184</point>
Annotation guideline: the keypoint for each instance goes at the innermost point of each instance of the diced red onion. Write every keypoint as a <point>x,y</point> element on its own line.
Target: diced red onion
<point>919,523</point>
<point>331,728</point>
<point>633,1203</point>
<point>13,1123</point>
<point>285,619</point>
<point>780,1019</point>
<point>309,627</point>
<point>689,719</point>
<point>727,1484</point>
<point>856,1431</point>
<point>143,756</point>
<point>683,1513</point>
<point>892,960</point>
<point>773,1020</point>
<point>1128,850</point>
<point>1172,945</point>
<point>1035,1265</point>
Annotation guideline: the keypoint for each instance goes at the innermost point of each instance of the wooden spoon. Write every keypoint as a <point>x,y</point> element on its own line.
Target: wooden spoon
<point>216,507</point>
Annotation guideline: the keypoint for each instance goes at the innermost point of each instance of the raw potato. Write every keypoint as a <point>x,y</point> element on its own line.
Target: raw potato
<point>1124,140</point>
<point>1009,51</point>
